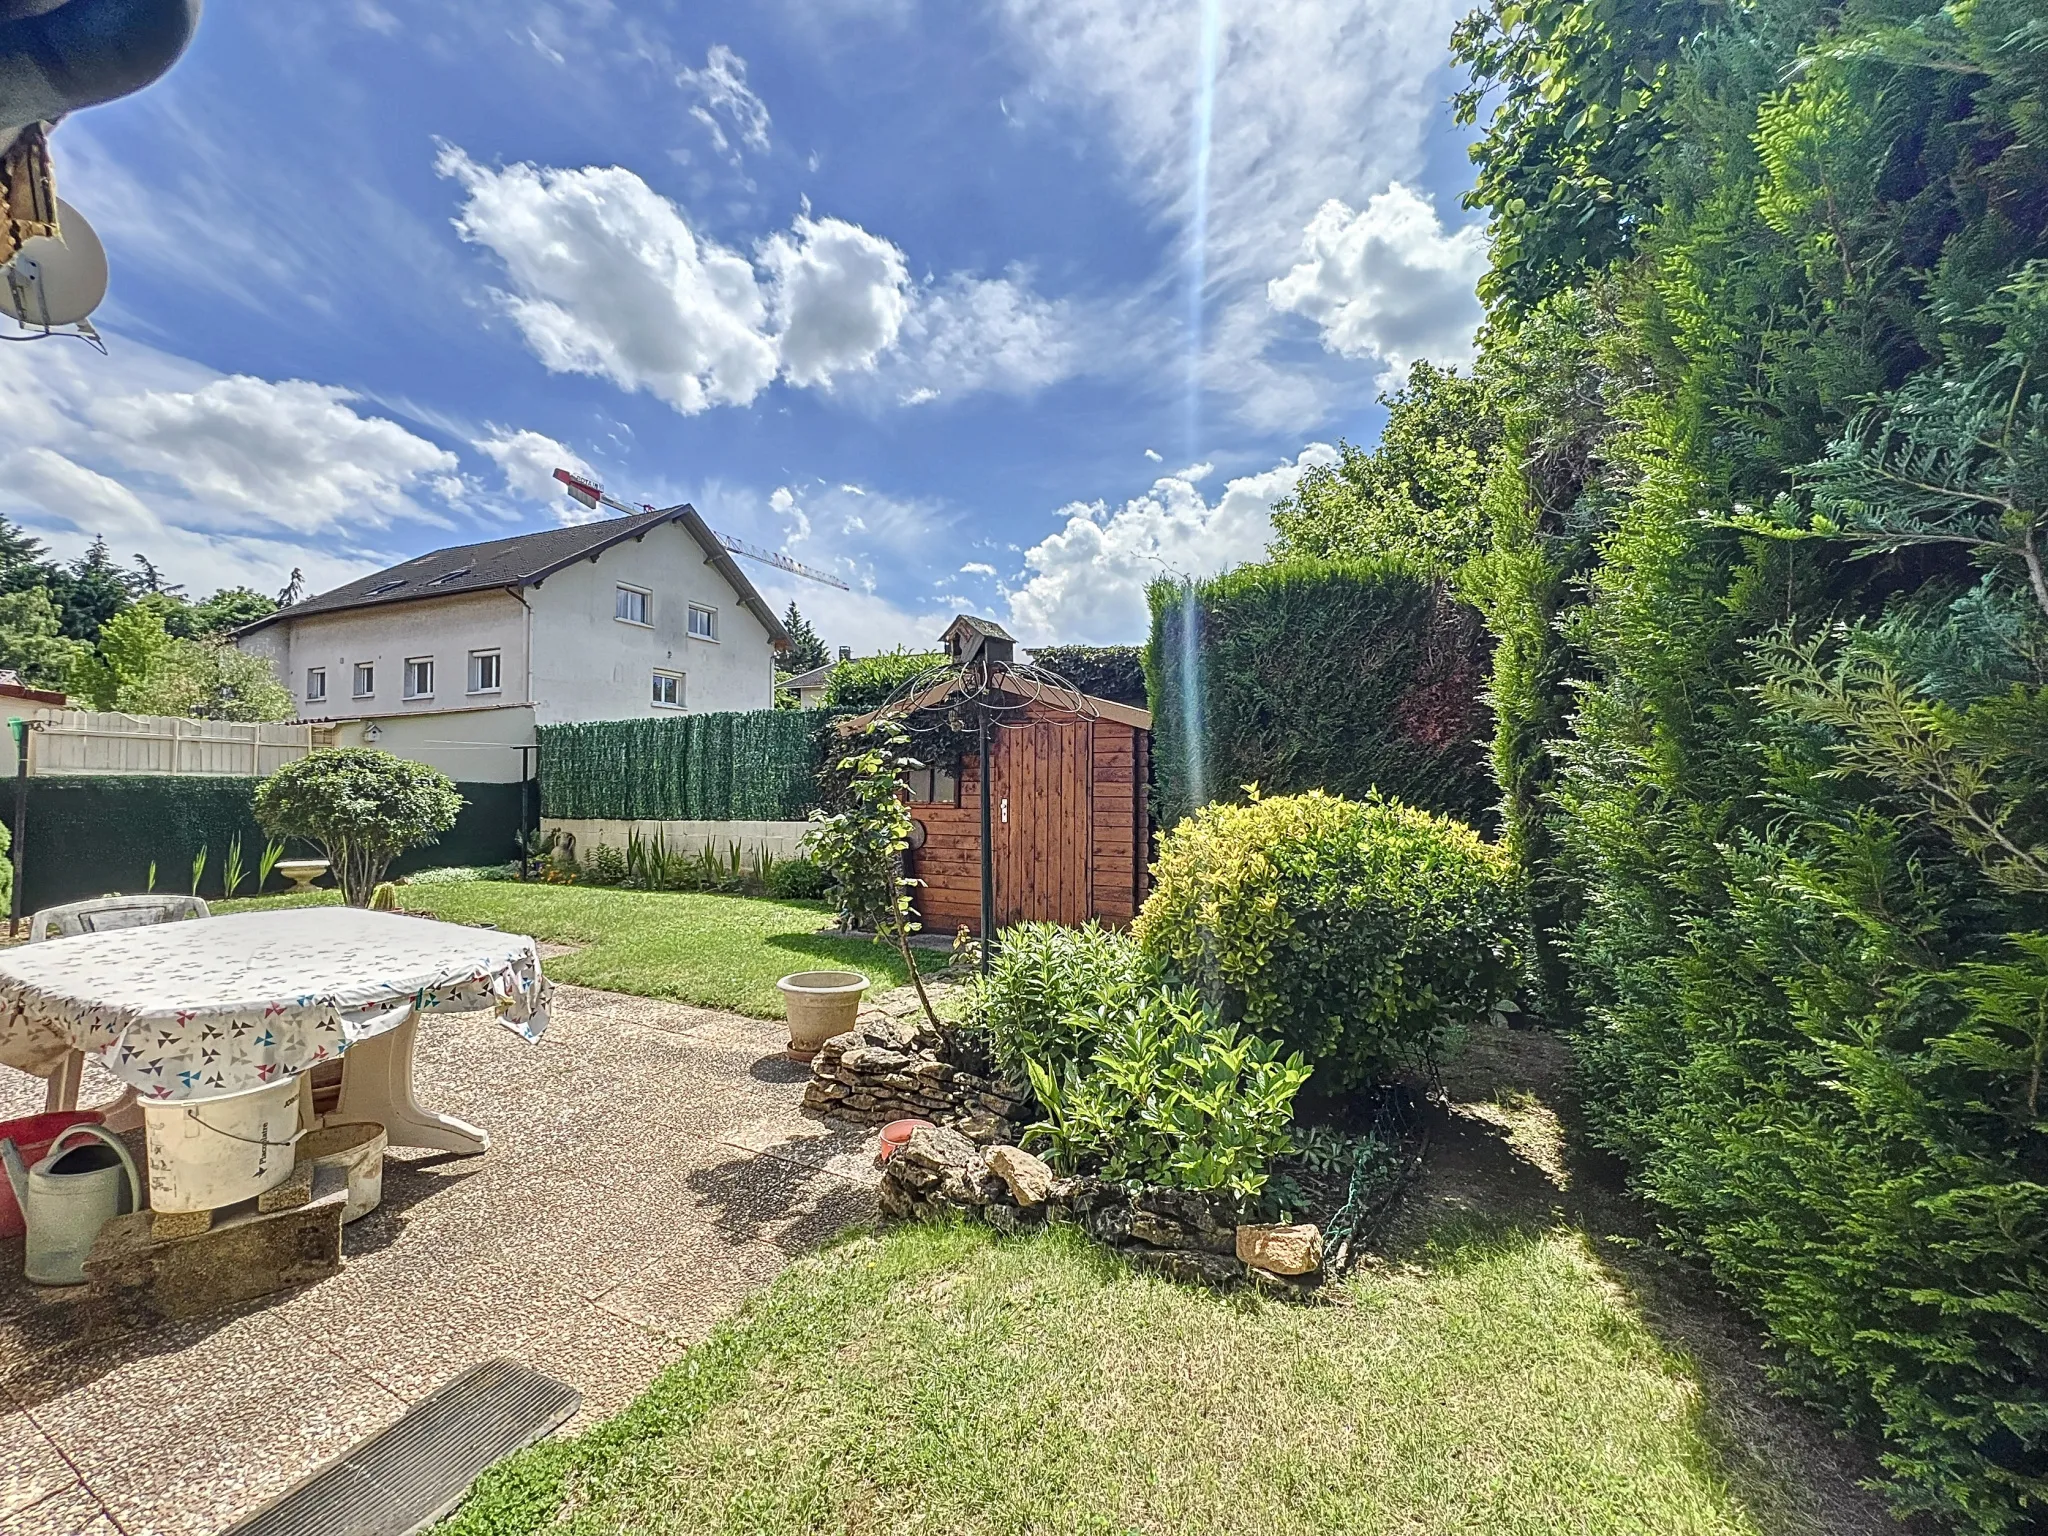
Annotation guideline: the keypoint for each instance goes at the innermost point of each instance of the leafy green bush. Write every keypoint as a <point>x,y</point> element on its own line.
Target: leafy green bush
<point>1040,986</point>
<point>1171,1096</point>
<point>1365,934</point>
<point>361,806</point>
<point>1341,675</point>
<point>867,682</point>
<point>797,879</point>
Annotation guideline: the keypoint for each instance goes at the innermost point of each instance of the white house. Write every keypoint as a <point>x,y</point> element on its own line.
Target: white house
<point>453,658</point>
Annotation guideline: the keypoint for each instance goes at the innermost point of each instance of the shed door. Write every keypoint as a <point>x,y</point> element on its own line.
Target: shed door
<point>1045,773</point>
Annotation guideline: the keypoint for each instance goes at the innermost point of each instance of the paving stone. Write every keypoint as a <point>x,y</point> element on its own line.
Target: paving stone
<point>30,1468</point>
<point>71,1512</point>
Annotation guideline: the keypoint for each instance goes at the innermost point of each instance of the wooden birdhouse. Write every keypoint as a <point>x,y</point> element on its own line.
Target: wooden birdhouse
<point>969,639</point>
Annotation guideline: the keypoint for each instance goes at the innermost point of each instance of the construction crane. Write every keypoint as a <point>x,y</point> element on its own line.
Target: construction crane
<point>586,494</point>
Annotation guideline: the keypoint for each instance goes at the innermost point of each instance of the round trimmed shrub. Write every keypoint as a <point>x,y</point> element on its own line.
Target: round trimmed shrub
<point>361,806</point>
<point>1365,934</point>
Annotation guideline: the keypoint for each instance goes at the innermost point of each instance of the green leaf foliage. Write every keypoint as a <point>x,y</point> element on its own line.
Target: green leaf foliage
<point>1343,675</point>
<point>860,847</point>
<point>1113,672</point>
<point>868,682</point>
<point>1766,326</point>
<point>1366,934</point>
<point>362,807</point>
<point>1040,998</point>
<point>1172,1096</point>
<point>1417,494</point>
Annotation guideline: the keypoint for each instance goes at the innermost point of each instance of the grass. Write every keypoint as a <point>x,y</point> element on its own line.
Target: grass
<point>939,1378</point>
<point>710,950</point>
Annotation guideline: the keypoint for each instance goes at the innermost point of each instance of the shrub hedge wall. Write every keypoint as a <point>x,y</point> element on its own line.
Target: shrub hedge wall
<point>1341,675</point>
<point>756,765</point>
<point>1113,672</point>
<point>91,835</point>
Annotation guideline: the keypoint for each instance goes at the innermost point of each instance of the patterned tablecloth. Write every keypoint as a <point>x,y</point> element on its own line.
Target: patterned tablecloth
<point>195,1010</point>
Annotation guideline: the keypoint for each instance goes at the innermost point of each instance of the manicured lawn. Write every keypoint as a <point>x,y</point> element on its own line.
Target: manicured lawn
<point>941,1379</point>
<point>714,951</point>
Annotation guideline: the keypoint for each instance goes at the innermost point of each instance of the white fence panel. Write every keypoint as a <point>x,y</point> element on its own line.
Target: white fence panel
<point>76,741</point>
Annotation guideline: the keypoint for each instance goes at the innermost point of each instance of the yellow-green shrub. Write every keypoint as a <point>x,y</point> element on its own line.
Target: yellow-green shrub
<point>1365,934</point>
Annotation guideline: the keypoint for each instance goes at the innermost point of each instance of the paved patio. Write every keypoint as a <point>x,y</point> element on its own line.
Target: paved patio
<point>650,1168</point>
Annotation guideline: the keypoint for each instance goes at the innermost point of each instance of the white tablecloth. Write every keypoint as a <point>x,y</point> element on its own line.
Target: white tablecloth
<point>195,1010</point>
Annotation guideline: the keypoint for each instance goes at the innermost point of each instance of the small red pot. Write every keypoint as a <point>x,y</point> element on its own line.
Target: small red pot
<point>895,1135</point>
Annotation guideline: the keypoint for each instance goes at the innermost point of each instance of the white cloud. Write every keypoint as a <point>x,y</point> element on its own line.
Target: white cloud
<point>290,453</point>
<point>608,278</point>
<point>528,460</point>
<point>1155,455</point>
<point>1387,281</point>
<point>968,334</point>
<point>611,280</point>
<point>839,296</point>
<point>1086,583</point>
<point>722,85</point>
<point>221,480</point>
<point>1312,99</point>
<point>977,568</point>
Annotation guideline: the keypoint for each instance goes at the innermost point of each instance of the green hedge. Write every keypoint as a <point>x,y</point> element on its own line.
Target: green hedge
<point>760,765</point>
<point>1113,672</point>
<point>1341,675</point>
<point>93,835</point>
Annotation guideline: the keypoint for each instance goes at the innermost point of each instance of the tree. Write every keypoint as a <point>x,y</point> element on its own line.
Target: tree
<point>806,649</point>
<point>229,609</point>
<point>361,807</point>
<point>32,641</point>
<point>141,668</point>
<point>207,680</point>
<point>1416,494</point>
<point>24,562</point>
<point>91,590</point>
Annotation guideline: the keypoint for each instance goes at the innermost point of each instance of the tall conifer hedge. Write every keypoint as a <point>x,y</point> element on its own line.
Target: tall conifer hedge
<point>1340,675</point>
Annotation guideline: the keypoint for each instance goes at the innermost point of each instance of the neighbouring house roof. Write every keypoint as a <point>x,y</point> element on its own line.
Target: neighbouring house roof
<point>12,687</point>
<point>817,677</point>
<point>525,560</point>
<point>938,692</point>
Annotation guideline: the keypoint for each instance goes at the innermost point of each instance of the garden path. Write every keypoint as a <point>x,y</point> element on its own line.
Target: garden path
<point>650,1167</point>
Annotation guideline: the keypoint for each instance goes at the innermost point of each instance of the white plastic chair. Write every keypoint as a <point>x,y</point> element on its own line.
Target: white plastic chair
<point>104,914</point>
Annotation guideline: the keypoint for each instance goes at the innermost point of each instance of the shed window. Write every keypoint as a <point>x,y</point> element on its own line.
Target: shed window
<point>933,786</point>
<point>703,622</point>
<point>316,684</point>
<point>366,679</point>
<point>419,677</point>
<point>631,606</point>
<point>668,690</point>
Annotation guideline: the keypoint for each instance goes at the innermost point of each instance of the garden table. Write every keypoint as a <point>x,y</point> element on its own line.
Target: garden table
<point>195,1010</point>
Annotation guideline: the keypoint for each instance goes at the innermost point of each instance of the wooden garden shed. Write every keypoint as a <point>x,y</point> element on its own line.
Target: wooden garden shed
<point>1069,816</point>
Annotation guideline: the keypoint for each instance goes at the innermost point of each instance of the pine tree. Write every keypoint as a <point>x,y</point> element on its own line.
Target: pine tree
<point>806,649</point>
<point>91,590</point>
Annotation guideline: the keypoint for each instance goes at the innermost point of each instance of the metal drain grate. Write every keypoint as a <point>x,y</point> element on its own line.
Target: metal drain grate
<point>406,1477</point>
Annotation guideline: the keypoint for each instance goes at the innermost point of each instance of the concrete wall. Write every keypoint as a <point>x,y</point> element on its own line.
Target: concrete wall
<point>590,665</point>
<point>471,746</point>
<point>778,837</point>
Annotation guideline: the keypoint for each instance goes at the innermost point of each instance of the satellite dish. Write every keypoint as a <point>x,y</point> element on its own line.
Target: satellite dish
<point>56,282</point>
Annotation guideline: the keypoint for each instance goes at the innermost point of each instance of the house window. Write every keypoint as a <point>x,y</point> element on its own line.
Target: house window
<point>366,679</point>
<point>668,690</point>
<point>703,622</point>
<point>316,684</point>
<point>419,677</point>
<point>483,672</point>
<point>632,606</point>
<point>933,786</point>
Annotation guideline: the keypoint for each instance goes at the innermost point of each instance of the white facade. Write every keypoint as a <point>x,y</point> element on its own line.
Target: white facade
<point>645,627</point>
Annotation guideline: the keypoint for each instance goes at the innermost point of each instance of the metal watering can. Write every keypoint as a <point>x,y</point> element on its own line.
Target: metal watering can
<point>68,1197</point>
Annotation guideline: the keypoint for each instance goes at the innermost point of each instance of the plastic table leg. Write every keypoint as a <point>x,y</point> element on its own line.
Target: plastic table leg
<point>376,1084</point>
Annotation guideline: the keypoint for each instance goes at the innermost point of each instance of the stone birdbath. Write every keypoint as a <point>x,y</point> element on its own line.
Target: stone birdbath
<point>301,872</point>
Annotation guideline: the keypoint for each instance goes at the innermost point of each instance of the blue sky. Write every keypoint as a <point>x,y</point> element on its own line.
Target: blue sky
<point>951,297</point>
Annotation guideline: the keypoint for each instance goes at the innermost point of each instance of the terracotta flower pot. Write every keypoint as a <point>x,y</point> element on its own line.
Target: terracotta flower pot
<point>820,1004</point>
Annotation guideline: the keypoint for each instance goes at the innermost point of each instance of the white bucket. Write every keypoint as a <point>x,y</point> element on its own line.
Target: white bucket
<point>357,1147</point>
<point>215,1152</point>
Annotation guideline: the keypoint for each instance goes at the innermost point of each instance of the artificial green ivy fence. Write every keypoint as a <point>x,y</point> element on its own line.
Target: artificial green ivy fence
<point>1340,675</point>
<point>97,834</point>
<point>759,765</point>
